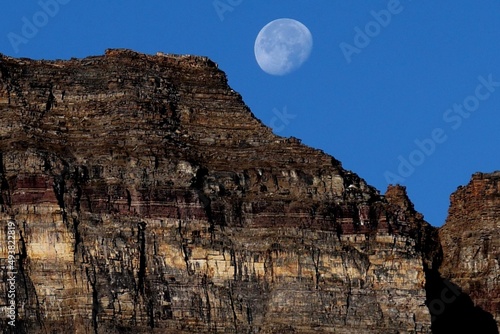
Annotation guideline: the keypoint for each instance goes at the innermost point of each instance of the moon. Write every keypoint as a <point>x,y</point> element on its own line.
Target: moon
<point>282,46</point>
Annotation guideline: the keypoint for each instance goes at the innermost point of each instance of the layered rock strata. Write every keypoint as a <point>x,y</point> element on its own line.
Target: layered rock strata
<point>471,242</point>
<point>145,197</point>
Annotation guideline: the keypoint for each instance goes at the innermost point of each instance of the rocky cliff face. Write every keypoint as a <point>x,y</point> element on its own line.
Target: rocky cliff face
<point>140,195</point>
<point>471,241</point>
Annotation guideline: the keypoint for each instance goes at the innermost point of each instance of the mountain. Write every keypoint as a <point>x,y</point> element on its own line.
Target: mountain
<point>470,241</point>
<point>139,194</point>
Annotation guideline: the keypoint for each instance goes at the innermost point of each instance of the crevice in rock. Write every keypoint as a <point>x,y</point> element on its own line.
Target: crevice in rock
<point>197,183</point>
<point>234,263</point>
<point>184,248</point>
<point>78,238</point>
<point>129,199</point>
<point>249,314</point>
<point>28,284</point>
<point>80,176</point>
<point>151,312</point>
<point>233,309</point>
<point>141,236</point>
<point>59,190</point>
<point>4,187</point>
<point>349,288</point>
<point>92,279</point>
<point>205,284</point>
<point>316,254</point>
<point>51,101</point>
<point>452,310</point>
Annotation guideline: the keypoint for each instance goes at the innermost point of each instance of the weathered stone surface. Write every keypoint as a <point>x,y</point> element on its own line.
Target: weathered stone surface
<point>471,241</point>
<point>147,198</point>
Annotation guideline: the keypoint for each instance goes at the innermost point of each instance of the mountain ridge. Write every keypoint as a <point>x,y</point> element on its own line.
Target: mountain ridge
<point>166,206</point>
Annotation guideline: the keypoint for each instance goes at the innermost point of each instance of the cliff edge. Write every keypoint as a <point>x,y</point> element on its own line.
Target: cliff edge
<point>139,194</point>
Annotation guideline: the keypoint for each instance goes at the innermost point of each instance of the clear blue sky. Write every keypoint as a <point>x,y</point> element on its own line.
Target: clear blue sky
<point>414,79</point>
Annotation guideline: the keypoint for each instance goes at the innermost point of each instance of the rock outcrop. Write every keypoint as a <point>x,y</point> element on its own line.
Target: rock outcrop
<point>140,195</point>
<point>471,242</point>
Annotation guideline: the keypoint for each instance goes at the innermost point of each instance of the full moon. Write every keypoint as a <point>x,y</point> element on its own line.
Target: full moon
<point>282,46</point>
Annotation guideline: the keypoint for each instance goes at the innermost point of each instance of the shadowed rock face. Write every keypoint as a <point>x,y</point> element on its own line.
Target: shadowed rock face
<point>147,198</point>
<point>471,241</point>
